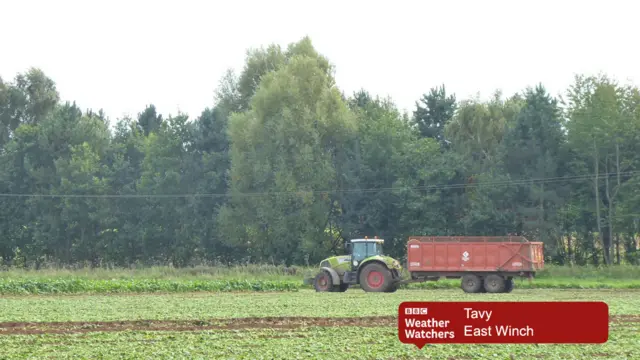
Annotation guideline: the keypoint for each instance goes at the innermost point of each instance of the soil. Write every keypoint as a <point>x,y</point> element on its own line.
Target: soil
<point>26,328</point>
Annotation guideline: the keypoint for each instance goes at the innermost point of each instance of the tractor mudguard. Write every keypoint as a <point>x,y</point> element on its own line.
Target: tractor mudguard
<point>334,275</point>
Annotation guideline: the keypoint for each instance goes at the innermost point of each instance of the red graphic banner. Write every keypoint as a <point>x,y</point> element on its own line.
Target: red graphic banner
<point>422,323</point>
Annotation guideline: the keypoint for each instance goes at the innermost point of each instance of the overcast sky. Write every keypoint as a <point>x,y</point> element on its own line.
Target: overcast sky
<point>121,55</point>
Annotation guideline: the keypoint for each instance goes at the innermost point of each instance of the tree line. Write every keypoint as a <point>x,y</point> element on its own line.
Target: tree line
<point>284,167</point>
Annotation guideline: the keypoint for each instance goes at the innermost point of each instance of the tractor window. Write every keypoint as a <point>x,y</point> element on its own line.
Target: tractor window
<point>359,251</point>
<point>374,249</point>
<point>362,250</point>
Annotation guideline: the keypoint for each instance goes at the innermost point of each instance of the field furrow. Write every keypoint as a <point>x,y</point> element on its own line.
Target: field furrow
<point>284,322</point>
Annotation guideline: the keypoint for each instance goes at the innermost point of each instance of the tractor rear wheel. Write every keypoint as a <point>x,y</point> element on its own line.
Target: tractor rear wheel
<point>375,278</point>
<point>495,284</point>
<point>322,282</point>
<point>471,284</point>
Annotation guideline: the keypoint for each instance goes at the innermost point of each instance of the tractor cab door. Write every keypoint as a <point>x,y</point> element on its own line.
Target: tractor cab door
<point>359,253</point>
<point>359,250</point>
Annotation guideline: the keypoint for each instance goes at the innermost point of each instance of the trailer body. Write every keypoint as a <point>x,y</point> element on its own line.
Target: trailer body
<point>484,260</point>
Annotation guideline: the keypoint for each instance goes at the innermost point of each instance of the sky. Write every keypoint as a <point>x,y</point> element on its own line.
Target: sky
<point>122,55</point>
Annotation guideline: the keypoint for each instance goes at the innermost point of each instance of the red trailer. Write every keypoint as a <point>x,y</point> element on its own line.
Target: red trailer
<point>485,264</point>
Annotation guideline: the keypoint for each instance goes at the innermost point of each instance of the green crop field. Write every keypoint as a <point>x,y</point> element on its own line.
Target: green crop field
<point>259,278</point>
<point>274,325</point>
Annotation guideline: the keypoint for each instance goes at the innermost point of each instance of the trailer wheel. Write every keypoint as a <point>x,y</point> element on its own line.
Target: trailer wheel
<point>495,284</point>
<point>375,278</point>
<point>322,282</point>
<point>471,284</point>
<point>508,285</point>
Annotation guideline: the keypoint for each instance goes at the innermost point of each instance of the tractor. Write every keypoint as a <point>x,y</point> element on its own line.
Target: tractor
<point>365,265</point>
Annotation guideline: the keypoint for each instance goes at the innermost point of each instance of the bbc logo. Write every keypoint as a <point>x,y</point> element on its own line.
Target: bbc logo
<point>415,311</point>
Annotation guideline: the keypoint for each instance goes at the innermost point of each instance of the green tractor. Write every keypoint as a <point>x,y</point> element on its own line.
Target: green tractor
<point>365,265</point>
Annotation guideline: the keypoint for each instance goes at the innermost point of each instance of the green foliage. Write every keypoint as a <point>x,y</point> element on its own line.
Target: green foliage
<point>259,278</point>
<point>73,286</point>
<point>558,283</point>
<point>243,272</point>
<point>282,168</point>
<point>533,149</point>
<point>284,144</point>
<point>434,113</point>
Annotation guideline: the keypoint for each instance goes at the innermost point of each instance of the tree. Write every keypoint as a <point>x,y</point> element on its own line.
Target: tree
<point>282,149</point>
<point>28,100</point>
<point>534,160</point>
<point>283,167</point>
<point>477,129</point>
<point>601,128</point>
<point>476,133</point>
<point>434,113</point>
<point>371,170</point>
<point>208,172</point>
<point>149,120</point>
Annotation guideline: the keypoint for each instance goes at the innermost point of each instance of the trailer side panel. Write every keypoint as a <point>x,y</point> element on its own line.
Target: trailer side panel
<point>474,254</point>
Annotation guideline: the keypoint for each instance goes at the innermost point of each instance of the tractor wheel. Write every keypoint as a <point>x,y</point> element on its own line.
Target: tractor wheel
<point>494,284</point>
<point>375,278</point>
<point>508,285</point>
<point>323,282</point>
<point>342,287</point>
<point>471,284</point>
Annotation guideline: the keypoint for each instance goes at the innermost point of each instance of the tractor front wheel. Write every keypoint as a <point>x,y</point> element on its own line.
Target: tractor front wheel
<point>375,278</point>
<point>322,282</point>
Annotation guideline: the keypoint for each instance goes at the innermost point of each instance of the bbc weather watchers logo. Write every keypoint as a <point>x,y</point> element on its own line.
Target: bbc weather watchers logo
<point>415,311</point>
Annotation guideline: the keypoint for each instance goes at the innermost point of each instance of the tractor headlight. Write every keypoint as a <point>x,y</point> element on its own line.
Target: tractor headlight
<point>396,264</point>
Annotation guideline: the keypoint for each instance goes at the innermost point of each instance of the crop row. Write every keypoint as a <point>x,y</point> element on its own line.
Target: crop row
<point>308,343</point>
<point>69,286</point>
<point>273,272</point>
<point>80,285</point>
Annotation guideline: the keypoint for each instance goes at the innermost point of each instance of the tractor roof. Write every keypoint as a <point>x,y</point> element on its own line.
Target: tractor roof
<point>368,240</point>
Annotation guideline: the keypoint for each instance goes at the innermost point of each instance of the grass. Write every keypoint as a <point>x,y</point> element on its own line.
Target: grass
<point>43,286</point>
<point>271,272</point>
<point>96,286</point>
<point>266,278</point>
<point>250,272</point>
<point>303,303</point>
<point>557,283</point>
<point>305,342</point>
<point>596,273</point>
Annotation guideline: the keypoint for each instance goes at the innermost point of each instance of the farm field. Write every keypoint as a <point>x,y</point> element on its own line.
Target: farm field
<point>259,278</point>
<point>274,325</point>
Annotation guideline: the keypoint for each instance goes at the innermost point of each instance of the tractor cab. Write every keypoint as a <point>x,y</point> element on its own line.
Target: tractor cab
<point>360,249</point>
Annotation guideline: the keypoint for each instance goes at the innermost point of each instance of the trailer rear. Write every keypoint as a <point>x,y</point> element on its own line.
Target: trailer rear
<point>484,264</point>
